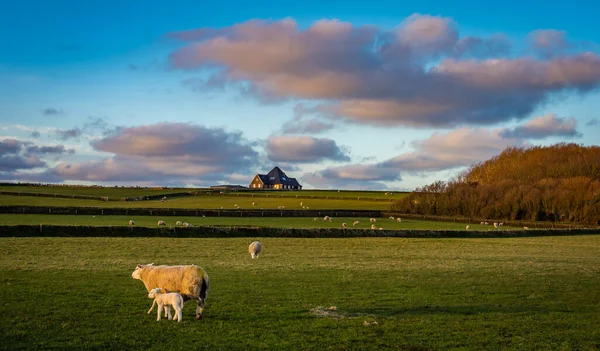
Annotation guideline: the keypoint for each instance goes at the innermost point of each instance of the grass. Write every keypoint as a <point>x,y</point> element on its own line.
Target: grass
<point>425,294</point>
<point>200,201</point>
<point>274,222</point>
<point>112,192</point>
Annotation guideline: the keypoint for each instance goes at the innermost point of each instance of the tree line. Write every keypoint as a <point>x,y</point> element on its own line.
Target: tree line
<point>558,183</point>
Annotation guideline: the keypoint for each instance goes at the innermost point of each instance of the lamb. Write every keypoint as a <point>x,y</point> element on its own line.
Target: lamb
<point>166,300</point>
<point>356,223</point>
<point>255,248</point>
<point>161,223</point>
<point>190,281</point>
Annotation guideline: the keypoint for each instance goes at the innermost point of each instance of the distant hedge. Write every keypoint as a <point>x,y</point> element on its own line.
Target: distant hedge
<point>98,211</point>
<point>236,232</point>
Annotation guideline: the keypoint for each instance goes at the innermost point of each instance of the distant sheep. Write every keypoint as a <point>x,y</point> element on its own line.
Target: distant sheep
<point>392,218</point>
<point>186,224</point>
<point>190,281</point>
<point>178,223</point>
<point>372,220</point>
<point>526,228</point>
<point>356,223</point>
<point>316,218</point>
<point>344,225</point>
<point>254,249</point>
<point>496,225</point>
<point>131,223</point>
<point>253,203</point>
<point>373,226</point>
<point>399,220</point>
<point>326,218</point>
<point>161,223</point>
<point>301,204</point>
<point>467,227</point>
<point>166,300</point>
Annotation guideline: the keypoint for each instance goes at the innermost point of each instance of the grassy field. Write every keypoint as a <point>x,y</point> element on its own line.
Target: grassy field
<point>274,222</point>
<point>424,294</point>
<point>112,192</point>
<point>201,201</point>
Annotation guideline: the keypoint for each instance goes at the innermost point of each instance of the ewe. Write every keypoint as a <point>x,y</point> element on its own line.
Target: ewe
<point>356,223</point>
<point>131,223</point>
<point>161,223</point>
<point>372,220</point>
<point>166,300</point>
<point>254,248</point>
<point>399,220</point>
<point>344,225</point>
<point>190,281</point>
<point>178,223</point>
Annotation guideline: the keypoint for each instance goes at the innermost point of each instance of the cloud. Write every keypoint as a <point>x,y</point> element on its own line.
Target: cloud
<point>162,153</point>
<point>548,42</point>
<point>12,158</point>
<point>420,74</point>
<point>543,127</point>
<point>52,111</point>
<point>303,149</point>
<point>65,134</point>
<point>592,122</point>
<point>35,134</point>
<point>306,126</point>
<point>56,149</point>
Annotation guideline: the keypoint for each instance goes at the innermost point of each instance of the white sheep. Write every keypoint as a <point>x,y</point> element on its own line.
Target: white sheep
<point>190,281</point>
<point>326,218</point>
<point>482,223</point>
<point>253,203</point>
<point>467,227</point>
<point>186,224</point>
<point>526,228</point>
<point>392,218</point>
<point>373,226</point>
<point>301,204</point>
<point>316,218</point>
<point>255,248</point>
<point>178,223</point>
<point>501,224</point>
<point>496,225</point>
<point>131,223</point>
<point>166,300</point>
<point>399,220</point>
<point>356,223</point>
<point>372,220</point>
<point>344,225</point>
<point>161,223</point>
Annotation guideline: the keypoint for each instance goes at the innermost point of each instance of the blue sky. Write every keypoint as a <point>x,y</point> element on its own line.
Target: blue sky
<point>339,94</point>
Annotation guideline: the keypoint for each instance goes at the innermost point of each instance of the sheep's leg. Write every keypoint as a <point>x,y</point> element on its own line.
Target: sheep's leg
<point>178,313</point>
<point>160,309</point>
<point>168,312</point>
<point>199,308</point>
<point>151,308</point>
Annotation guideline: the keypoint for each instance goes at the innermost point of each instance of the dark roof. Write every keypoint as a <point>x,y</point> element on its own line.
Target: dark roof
<point>277,176</point>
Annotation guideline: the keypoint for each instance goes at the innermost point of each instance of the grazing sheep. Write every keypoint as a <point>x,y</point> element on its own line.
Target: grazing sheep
<point>302,204</point>
<point>501,224</point>
<point>255,248</point>
<point>326,218</point>
<point>392,218</point>
<point>496,225</point>
<point>131,223</point>
<point>178,223</point>
<point>190,281</point>
<point>526,228</point>
<point>166,300</point>
<point>344,225</point>
<point>399,220</point>
<point>253,203</point>
<point>186,224</point>
<point>161,223</point>
<point>316,218</point>
<point>482,223</point>
<point>373,226</point>
<point>467,227</point>
<point>372,220</point>
<point>356,223</point>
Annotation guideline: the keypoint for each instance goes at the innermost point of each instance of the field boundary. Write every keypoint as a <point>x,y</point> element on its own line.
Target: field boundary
<point>235,232</point>
<point>99,211</point>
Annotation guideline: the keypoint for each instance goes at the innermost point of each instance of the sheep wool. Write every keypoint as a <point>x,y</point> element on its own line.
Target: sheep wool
<point>255,248</point>
<point>190,281</point>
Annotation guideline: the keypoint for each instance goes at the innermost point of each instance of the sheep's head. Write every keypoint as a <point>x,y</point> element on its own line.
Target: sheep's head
<point>152,294</point>
<point>138,271</point>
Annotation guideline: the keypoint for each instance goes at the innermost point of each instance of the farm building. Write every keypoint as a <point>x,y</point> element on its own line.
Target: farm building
<point>275,179</point>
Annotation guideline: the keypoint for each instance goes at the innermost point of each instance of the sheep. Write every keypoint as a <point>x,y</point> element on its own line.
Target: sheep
<point>131,223</point>
<point>526,228</point>
<point>326,218</point>
<point>253,203</point>
<point>496,225</point>
<point>190,281</point>
<point>392,218</point>
<point>482,223</point>
<point>166,300</point>
<point>255,248</point>
<point>178,223</point>
<point>399,220</point>
<point>372,220</point>
<point>316,218</point>
<point>186,224</point>
<point>356,223</point>
<point>373,226</point>
<point>501,224</point>
<point>344,225</point>
<point>161,223</point>
<point>302,204</point>
<point>467,227</point>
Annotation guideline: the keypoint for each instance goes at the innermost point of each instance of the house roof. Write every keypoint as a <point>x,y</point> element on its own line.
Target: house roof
<point>277,176</point>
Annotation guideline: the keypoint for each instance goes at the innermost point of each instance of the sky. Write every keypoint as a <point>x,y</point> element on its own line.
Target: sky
<point>339,94</point>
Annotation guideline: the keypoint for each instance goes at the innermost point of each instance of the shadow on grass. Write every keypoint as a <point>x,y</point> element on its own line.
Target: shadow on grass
<point>449,310</point>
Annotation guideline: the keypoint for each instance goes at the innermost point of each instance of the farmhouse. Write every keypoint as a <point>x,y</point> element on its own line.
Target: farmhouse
<point>275,179</point>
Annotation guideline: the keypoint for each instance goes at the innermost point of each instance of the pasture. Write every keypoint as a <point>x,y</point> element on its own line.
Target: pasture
<point>272,222</point>
<point>202,202</point>
<point>510,294</point>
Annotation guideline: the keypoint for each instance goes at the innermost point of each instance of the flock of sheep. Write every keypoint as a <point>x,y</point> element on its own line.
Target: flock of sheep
<point>171,286</point>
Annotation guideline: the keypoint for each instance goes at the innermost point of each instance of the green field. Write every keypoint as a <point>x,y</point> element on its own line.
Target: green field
<point>274,222</point>
<point>425,294</point>
<point>111,192</point>
<point>201,201</point>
